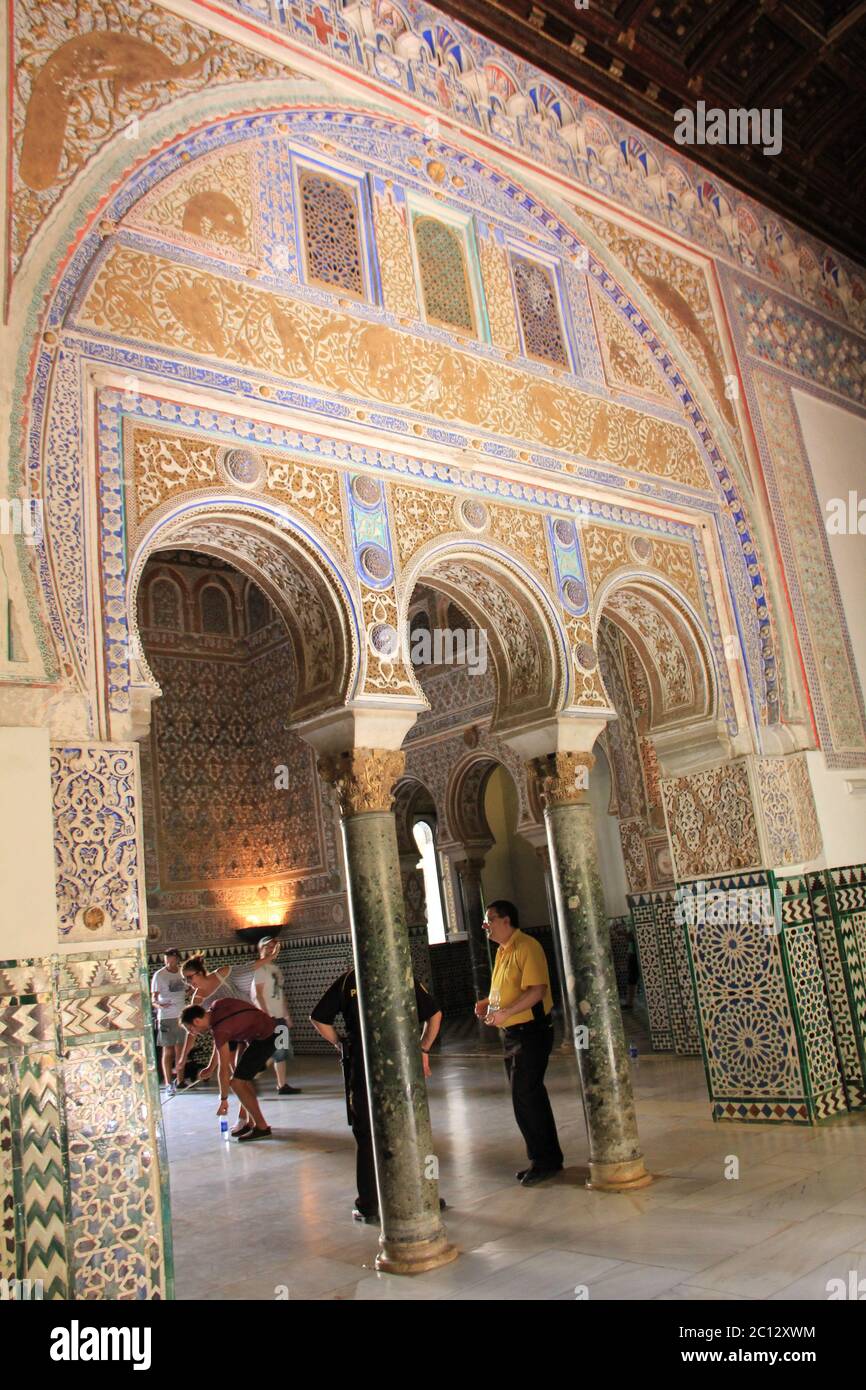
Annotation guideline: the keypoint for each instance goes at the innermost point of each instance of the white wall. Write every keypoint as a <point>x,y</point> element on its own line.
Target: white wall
<point>835,441</point>
<point>28,908</point>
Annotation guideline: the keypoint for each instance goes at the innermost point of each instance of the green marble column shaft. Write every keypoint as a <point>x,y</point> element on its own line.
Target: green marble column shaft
<point>469,873</point>
<point>413,1237</point>
<point>616,1161</point>
<point>568,1028</point>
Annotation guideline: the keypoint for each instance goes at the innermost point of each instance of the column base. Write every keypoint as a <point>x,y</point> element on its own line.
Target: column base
<point>416,1256</point>
<point>618,1177</point>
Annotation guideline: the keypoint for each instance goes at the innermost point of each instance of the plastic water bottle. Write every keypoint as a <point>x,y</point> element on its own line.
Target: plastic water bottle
<point>633,1055</point>
<point>224,1129</point>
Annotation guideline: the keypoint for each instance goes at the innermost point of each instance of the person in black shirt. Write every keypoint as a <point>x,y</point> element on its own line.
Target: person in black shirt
<point>342,998</point>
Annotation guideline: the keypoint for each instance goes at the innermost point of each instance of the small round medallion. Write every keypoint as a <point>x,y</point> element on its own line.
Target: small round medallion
<point>384,640</point>
<point>574,593</point>
<point>375,562</point>
<point>585,656</point>
<point>366,490</point>
<point>243,467</point>
<point>473,514</point>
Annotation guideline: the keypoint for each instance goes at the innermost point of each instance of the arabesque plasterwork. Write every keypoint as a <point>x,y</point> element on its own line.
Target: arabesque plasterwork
<point>84,73</point>
<point>156,301</point>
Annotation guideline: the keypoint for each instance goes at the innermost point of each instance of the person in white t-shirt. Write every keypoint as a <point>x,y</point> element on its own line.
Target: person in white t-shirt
<point>266,992</point>
<point>168,995</point>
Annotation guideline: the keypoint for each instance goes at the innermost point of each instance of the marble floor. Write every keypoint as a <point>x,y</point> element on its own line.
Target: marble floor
<point>273,1219</point>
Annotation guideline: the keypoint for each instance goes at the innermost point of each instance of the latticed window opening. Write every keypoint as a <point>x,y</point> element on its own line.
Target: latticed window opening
<point>165,605</point>
<point>331,234</point>
<point>214,610</point>
<point>539,311</point>
<point>444,277</point>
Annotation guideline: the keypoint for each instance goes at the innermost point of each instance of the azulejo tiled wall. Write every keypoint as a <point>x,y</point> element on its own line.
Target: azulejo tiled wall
<point>83,1173</point>
<point>776,992</point>
<point>664,969</point>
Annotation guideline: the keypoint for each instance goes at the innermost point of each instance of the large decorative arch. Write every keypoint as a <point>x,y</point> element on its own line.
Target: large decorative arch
<point>706,426</point>
<point>307,589</point>
<point>671,643</point>
<point>520,622</point>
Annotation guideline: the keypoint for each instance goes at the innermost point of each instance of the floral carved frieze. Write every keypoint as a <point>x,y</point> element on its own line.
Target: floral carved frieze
<point>150,298</point>
<point>711,821</point>
<point>97,846</point>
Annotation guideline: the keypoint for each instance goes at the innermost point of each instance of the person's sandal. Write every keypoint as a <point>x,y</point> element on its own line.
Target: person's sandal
<point>253,1133</point>
<point>240,1129</point>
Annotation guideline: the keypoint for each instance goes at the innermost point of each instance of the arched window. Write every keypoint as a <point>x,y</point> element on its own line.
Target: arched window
<point>331,235</point>
<point>429,866</point>
<point>444,276</point>
<point>537,303</point>
<point>214,610</point>
<point>165,608</point>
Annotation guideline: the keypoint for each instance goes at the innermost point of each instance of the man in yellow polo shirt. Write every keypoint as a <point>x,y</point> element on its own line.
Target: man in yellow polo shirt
<point>519,1003</point>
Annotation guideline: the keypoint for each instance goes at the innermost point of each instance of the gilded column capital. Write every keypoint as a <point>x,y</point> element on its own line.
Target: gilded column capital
<point>469,869</point>
<point>363,778</point>
<point>562,779</point>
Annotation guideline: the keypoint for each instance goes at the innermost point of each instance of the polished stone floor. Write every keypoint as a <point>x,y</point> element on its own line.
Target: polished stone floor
<point>273,1219</point>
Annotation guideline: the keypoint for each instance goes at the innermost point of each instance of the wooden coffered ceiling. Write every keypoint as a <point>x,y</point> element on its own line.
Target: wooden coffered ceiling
<point>645,59</point>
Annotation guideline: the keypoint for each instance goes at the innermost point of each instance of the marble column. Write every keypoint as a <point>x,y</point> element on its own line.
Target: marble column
<point>413,1238</point>
<point>615,1158</point>
<point>543,853</point>
<point>469,873</point>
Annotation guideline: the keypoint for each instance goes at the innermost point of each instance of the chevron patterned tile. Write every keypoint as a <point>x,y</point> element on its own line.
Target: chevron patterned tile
<point>94,972</point>
<point>100,1013</point>
<point>32,977</point>
<point>42,1174</point>
<point>7,1181</point>
<point>26,1024</point>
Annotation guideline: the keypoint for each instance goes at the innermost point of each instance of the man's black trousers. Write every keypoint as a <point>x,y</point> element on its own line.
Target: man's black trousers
<point>527,1050</point>
<point>365,1166</point>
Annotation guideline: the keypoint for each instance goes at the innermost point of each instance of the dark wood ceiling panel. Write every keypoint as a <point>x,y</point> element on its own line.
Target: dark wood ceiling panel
<point>645,59</point>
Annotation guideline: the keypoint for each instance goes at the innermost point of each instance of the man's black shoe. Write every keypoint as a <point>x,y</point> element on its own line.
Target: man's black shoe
<point>288,1090</point>
<point>539,1175</point>
<point>522,1174</point>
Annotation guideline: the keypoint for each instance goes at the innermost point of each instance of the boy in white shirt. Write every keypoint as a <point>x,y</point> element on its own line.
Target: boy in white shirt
<point>168,995</point>
<point>266,992</point>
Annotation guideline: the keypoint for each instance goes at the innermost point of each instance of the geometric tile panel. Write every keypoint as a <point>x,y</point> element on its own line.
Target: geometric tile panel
<point>782,1040</point>
<point>751,1053</point>
<point>26,1024</point>
<point>676,975</point>
<point>838,899</point>
<point>619,933</point>
<point>823,1074</point>
<point>83,1176</point>
<point>115,1218</point>
<point>797,906</point>
<point>643,915</point>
